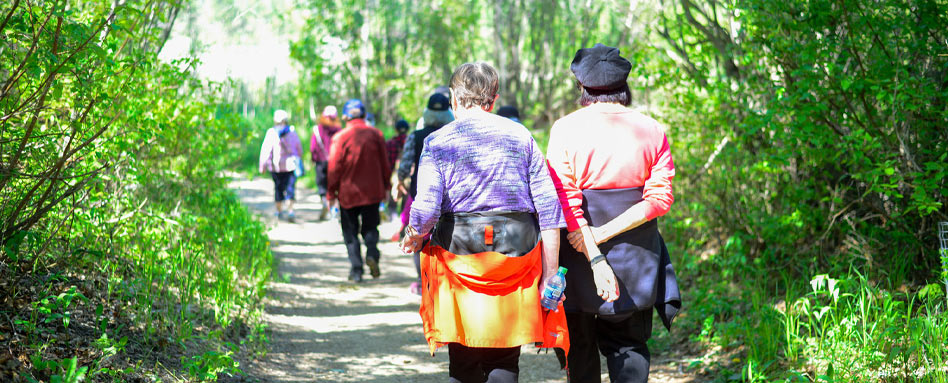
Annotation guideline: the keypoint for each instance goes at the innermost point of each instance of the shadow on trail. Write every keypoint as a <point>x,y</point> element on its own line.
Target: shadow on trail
<point>323,309</point>
<point>324,328</point>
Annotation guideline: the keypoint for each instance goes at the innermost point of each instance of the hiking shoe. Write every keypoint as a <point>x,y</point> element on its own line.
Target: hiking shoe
<point>415,288</point>
<point>291,217</point>
<point>357,278</point>
<point>280,215</point>
<point>373,267</point>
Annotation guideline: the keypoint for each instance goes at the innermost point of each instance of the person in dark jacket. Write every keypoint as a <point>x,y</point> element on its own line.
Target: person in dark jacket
<point>436,115</point>
<point>358,181</point>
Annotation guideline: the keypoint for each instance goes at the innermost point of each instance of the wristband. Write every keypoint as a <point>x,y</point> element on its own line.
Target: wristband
<point>597,259</point>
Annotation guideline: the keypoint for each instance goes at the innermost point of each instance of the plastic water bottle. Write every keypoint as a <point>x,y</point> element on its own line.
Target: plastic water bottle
<point>554,290</point>
<point>334,212</point>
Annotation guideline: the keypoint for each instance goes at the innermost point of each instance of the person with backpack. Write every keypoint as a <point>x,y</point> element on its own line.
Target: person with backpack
<point>436,115</point>
<point>280,155</point>
<point>319,146</point>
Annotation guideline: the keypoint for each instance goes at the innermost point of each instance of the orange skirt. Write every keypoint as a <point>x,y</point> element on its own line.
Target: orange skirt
<point>487,300</point>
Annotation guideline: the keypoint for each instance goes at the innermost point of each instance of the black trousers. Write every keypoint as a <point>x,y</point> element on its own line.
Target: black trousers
<point>284,186</point>
<point>620,338</point>
<point>482,364</point>
<point>320,169</point>
<point>360,220</point>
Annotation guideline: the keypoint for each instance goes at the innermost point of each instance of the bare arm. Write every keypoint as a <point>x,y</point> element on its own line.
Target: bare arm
<point>606,286</point>
<point>551,258</point>
<point>657,197</point>
<point>631,218</point>
<point>551,253</point>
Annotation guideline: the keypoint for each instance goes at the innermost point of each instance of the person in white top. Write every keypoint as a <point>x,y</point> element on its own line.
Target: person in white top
<point>280,155</point>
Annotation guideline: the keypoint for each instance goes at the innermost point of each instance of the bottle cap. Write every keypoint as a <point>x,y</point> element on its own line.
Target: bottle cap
<point>562,270</point>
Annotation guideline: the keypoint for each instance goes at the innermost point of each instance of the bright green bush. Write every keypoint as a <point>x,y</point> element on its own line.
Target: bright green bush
<point>112,178</point>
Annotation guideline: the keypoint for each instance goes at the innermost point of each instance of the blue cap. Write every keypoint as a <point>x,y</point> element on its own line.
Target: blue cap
<point>353,109</point>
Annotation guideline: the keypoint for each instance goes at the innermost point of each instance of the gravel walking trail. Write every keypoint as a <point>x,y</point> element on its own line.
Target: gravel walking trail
<point>324,328</point>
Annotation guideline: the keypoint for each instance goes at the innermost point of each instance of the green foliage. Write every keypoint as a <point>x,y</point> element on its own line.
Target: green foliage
<point>65,371</point>
<point>54,307</point>
<point>853,331</point>
<point>111,175</point>
<point>831,113</point>
<point>393,54</point>
<point>206,367</point>
<point>809,139</point>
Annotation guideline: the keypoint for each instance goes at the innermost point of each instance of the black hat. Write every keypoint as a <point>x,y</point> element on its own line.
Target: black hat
<point>438,101</point>
<point>600,67</point>
<point>509,111</point>
<point>401,125</point>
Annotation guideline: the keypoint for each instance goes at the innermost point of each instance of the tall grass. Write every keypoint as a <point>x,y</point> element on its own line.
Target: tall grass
<point>769,324</point>
<point>847,329</point>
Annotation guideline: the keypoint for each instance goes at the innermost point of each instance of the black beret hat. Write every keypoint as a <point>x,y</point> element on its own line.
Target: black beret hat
<point>600,67</point>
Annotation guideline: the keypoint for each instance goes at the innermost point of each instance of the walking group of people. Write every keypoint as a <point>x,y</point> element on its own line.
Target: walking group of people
<point>489,219</point>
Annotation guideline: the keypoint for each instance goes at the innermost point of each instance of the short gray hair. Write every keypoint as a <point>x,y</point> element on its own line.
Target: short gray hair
<point>474,83</point>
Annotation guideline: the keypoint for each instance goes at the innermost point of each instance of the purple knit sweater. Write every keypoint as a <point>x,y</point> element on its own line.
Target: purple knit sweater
<point>482,163</point>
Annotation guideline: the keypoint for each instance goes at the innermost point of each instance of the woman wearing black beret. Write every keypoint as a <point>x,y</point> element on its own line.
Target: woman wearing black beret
<point>613,170</point>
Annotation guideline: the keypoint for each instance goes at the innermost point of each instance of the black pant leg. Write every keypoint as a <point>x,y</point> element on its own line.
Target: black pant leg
<point>583,355</point>
<point>464,364</point>
<point>501,365</point>
<point>280,182</point>
<point>370,230</point>
<point>349,220</point>
<point>622,340</point>
<point>320,170</point>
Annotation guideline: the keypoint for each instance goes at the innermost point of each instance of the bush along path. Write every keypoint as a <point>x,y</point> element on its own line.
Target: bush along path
<point>170,297</point>
<point>324,328</point>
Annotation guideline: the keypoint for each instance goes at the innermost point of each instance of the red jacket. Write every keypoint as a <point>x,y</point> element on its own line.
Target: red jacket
<point>359,171</point>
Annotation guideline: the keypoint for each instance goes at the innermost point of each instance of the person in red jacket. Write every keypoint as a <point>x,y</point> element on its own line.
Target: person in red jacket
<point>358,181</point>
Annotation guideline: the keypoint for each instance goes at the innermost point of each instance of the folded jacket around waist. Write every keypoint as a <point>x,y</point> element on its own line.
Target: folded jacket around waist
<point>486,298</point>
<point>638,257</point>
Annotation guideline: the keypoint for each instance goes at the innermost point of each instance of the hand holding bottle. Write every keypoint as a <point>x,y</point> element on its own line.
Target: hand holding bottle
<point>553,290</point>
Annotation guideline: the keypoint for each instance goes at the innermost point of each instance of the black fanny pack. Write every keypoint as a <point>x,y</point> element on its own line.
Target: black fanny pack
<point>513,234</point>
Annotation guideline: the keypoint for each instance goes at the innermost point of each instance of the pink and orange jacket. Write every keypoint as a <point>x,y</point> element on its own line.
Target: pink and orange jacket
<point>609,146</point>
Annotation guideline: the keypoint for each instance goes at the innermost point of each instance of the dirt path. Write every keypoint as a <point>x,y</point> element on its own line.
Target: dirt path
<point>327,329</point>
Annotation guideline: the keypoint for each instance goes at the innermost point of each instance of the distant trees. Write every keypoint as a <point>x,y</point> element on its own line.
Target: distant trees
<point>800,128</point>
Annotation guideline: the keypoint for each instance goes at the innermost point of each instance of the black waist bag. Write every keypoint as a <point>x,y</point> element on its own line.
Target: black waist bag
<point>513,234</point>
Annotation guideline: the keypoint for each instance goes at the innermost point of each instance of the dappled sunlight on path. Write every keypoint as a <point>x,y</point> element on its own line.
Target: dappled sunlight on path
<point>324,328</point>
